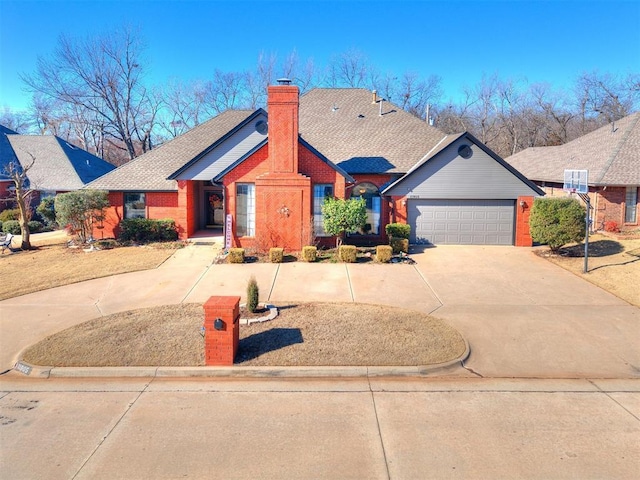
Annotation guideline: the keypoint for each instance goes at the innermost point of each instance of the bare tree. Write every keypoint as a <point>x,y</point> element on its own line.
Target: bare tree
<point>349,69</point>
<point>16,121</point>
<point>102,75</point>
<point>23,195</point>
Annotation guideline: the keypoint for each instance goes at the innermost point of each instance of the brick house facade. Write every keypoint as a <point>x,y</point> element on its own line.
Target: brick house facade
<point>338,142</point>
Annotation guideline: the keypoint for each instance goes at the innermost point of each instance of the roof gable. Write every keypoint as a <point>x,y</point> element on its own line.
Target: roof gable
<point>446,173</point>
<point>151,171</point>
<point>610,154</point>
<point>243,138</point>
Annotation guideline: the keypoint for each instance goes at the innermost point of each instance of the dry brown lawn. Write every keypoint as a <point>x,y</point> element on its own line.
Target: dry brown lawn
<point>614,264</point>
<point>52,264</point>
<point>320,334</point>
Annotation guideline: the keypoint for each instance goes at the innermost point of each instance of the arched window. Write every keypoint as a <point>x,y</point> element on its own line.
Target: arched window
<point>371,195</point>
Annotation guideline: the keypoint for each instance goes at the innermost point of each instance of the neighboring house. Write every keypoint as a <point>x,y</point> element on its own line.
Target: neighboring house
<point>58,166</point>
<point>271,179</point>
<point>611,155</point>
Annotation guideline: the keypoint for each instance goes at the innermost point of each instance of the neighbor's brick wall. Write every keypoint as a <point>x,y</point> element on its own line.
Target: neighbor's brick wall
<point>611,207</point>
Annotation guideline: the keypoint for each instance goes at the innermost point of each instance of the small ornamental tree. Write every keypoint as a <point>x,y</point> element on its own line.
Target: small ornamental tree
<point>343,216</point>
<point>253,294</point>
<point>80,210</point>
<point>557,221</point>
<point>47,210</point>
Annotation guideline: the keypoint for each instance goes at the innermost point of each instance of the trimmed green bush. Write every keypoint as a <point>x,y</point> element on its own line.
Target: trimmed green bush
<point>347,253</point>
<point>10,214</point>
<point>35,226</point>
<point>253,294</point>
<point>147,230</point>
<point>47,210</point>
<point>236,255</point>
<point>383,253</point>
<point>557,221</point>
<point>276,254</point>
<point>398,230</point>
<point>309,253</point>
<point>11,226</point>
<point>399,245</point>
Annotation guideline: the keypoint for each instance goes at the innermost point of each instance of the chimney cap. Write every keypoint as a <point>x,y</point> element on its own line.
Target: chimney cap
<point>284,81</point>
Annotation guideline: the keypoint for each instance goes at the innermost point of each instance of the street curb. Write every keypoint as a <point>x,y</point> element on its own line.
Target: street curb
<point>38,371</point>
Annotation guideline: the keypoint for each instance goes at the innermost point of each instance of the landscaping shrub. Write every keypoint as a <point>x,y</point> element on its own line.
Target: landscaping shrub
<point>398,230</point>
<point>276,254</point>
<point>347,253</point>
<point>309,253</point>
<point>47,210</point>
<point>35,226</point>
<point>253,294</point>
<point>10,214</point>
<point>611,226</point>
<point>383,253</point>
<point>343,216</point>
<point>11,226</point>
<point>399,245</point>
<point>148,230</point>
<point>80,211</point>
<point>236,255</point>
<point>557,221</point>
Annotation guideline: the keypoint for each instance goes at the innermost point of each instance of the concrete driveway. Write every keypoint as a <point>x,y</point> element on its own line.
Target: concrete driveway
<point>523,316</point>
<point>526,317</point>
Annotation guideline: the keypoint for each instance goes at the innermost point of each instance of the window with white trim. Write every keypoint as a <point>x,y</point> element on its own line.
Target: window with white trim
<point>631,205</point>
<point>246,210</point>
<point>320,192</point>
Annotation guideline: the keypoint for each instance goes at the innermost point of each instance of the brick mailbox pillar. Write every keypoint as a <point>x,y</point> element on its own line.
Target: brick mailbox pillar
<point>221,330</point>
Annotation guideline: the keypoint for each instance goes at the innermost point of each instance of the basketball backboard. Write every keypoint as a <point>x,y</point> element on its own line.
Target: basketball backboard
<point>576,181</point>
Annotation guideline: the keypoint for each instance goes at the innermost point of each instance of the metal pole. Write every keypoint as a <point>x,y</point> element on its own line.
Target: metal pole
<point>586,238</point>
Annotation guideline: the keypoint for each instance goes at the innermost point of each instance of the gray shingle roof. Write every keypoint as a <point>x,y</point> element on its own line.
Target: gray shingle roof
<point>348,129</point>
<point>59,165</point>
<point>150,171</point>
<point>611,154</point>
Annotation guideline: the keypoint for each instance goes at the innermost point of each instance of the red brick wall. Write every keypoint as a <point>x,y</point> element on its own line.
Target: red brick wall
<point>283,128</point>
<point>523,212</point>
<point>159,206</point>
<point>610,207</point>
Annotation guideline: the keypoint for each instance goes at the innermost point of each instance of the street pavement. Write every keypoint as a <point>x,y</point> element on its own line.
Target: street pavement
<point>332,428</point>
<point>551,388</point>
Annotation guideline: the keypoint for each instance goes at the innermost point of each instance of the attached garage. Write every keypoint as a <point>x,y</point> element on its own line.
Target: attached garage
<point>462,193</point>
<point>462,222</point>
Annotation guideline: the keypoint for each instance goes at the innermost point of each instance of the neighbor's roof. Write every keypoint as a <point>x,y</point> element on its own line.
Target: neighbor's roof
<point>611,154</point>
<point>151,170</point>
<point>346,126</point>
<point>7,154</point>
<point>57,164</point>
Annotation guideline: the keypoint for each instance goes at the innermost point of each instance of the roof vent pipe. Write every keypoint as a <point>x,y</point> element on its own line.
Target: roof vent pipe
<point>284,81</point>
<point>374,96</point>
<point>381,100</point>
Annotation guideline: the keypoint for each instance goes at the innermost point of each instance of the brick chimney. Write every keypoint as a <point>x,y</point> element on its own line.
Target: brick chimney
<point>283,104</point>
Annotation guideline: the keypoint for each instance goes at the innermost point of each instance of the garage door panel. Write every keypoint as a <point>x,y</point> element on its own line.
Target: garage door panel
<point>464,222</point>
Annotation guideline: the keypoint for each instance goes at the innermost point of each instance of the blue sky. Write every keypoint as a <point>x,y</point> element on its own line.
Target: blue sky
<point>536,41</point>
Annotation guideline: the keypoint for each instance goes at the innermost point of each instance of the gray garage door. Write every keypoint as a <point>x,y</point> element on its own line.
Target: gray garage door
<point>462,222</point>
